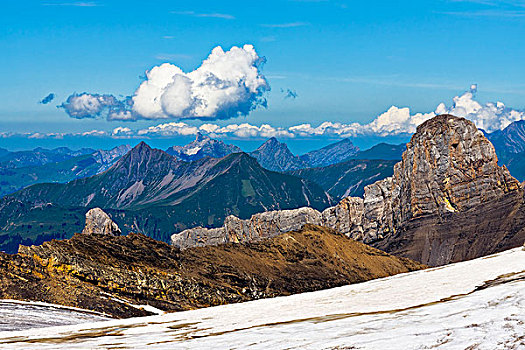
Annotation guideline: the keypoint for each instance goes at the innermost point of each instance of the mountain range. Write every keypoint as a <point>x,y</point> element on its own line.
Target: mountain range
<point>447,200</point>
<point>348,178</point>
<point>24,168</point>
<point>152,192</point>
<point>510,147</point>
<point>38,156</point>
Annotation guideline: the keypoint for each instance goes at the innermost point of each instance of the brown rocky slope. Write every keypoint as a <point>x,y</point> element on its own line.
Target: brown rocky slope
<point>112,274</point>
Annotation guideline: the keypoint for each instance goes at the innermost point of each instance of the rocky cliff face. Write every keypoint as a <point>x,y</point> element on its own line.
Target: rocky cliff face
<point>449,166</point>
<point>448,200</point>
<point>99,223</point>
<point>116,275</point>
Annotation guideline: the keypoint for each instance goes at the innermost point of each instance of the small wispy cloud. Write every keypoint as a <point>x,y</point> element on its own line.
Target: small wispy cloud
<point>74,4</point>
<point>204,15</point>
<point>268,39</point>
<point>489,8</point>
<point>487,13</point>
<point>47,99</point>
<point>168,37</point>
<point>518,3</point>
<point>276,76</point>
<point>286,25</point>
<point>172,56</point>
<point>289,93</point>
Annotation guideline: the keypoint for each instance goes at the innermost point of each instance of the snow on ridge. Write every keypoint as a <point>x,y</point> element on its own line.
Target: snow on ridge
<point>439,307</point>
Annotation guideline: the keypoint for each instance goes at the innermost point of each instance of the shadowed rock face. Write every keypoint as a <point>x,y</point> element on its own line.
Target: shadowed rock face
<point>448,200</point>
<point>449,166</point>
<point>115,274</point>
<point>98,222</point>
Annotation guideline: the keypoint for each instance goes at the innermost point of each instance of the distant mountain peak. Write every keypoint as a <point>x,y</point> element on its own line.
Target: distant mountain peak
<point>332,154</point>
<point>275,155</point>
<point>511,139</point>
<point>200,137</point>
<point>203,146</point>
<point>273,141</point>
<point>142,145</point>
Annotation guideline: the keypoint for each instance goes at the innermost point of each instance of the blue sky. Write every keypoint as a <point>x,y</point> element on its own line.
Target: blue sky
<point>347,61</point>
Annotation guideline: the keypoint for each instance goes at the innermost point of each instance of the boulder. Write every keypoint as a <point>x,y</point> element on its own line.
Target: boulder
<point>98,222</point>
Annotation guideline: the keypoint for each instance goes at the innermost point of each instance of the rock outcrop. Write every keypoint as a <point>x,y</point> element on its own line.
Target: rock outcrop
<point>98,222</point>
<point>259,226</point>
<point>116,275</point>
<point>345,218</point>
<point>448,200</point>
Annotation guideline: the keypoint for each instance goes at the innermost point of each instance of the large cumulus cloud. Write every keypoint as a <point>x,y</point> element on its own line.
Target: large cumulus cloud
<point>226,85</point>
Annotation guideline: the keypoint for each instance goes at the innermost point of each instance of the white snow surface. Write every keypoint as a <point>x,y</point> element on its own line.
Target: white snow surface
<point>20,315</point>
<point>440,308</point>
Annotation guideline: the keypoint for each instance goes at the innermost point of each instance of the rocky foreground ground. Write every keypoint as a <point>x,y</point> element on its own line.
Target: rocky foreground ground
<point>118,274</point>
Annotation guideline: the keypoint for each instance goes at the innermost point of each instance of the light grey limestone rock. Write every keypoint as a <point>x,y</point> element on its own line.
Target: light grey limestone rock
<point>259,226</point>
<point>98,222</point>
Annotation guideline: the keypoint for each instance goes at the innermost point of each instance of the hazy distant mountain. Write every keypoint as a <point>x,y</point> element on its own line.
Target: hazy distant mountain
<point>106,158</point>
<point>39,156</point>
<point>3,152</point>
<point>348,178</point>
<point>152,192</point>
<point>201,147</point>
<point>16,178</point>
<point>275,155</point>
<point>510,147</point>
<point>511,139</point>
<point>383,151</point>
<point>331,154</point>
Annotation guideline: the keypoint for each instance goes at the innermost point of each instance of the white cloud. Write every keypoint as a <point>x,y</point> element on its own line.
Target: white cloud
<point>490,116</point>
<point>169,129</point>
<point>74,4</point>
<point>246,130</point>
<point>92,133</point>
<point>204,15</point>
<point>286,25</point>
<point>122,132</point>
<point>226,85</point>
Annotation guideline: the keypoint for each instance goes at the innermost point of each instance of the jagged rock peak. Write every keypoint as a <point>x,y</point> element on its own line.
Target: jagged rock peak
<point>200,137</point>
<point>98,222</point>
<point>142,146</point>
<point>274,155</point>
<point>449,165</point>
